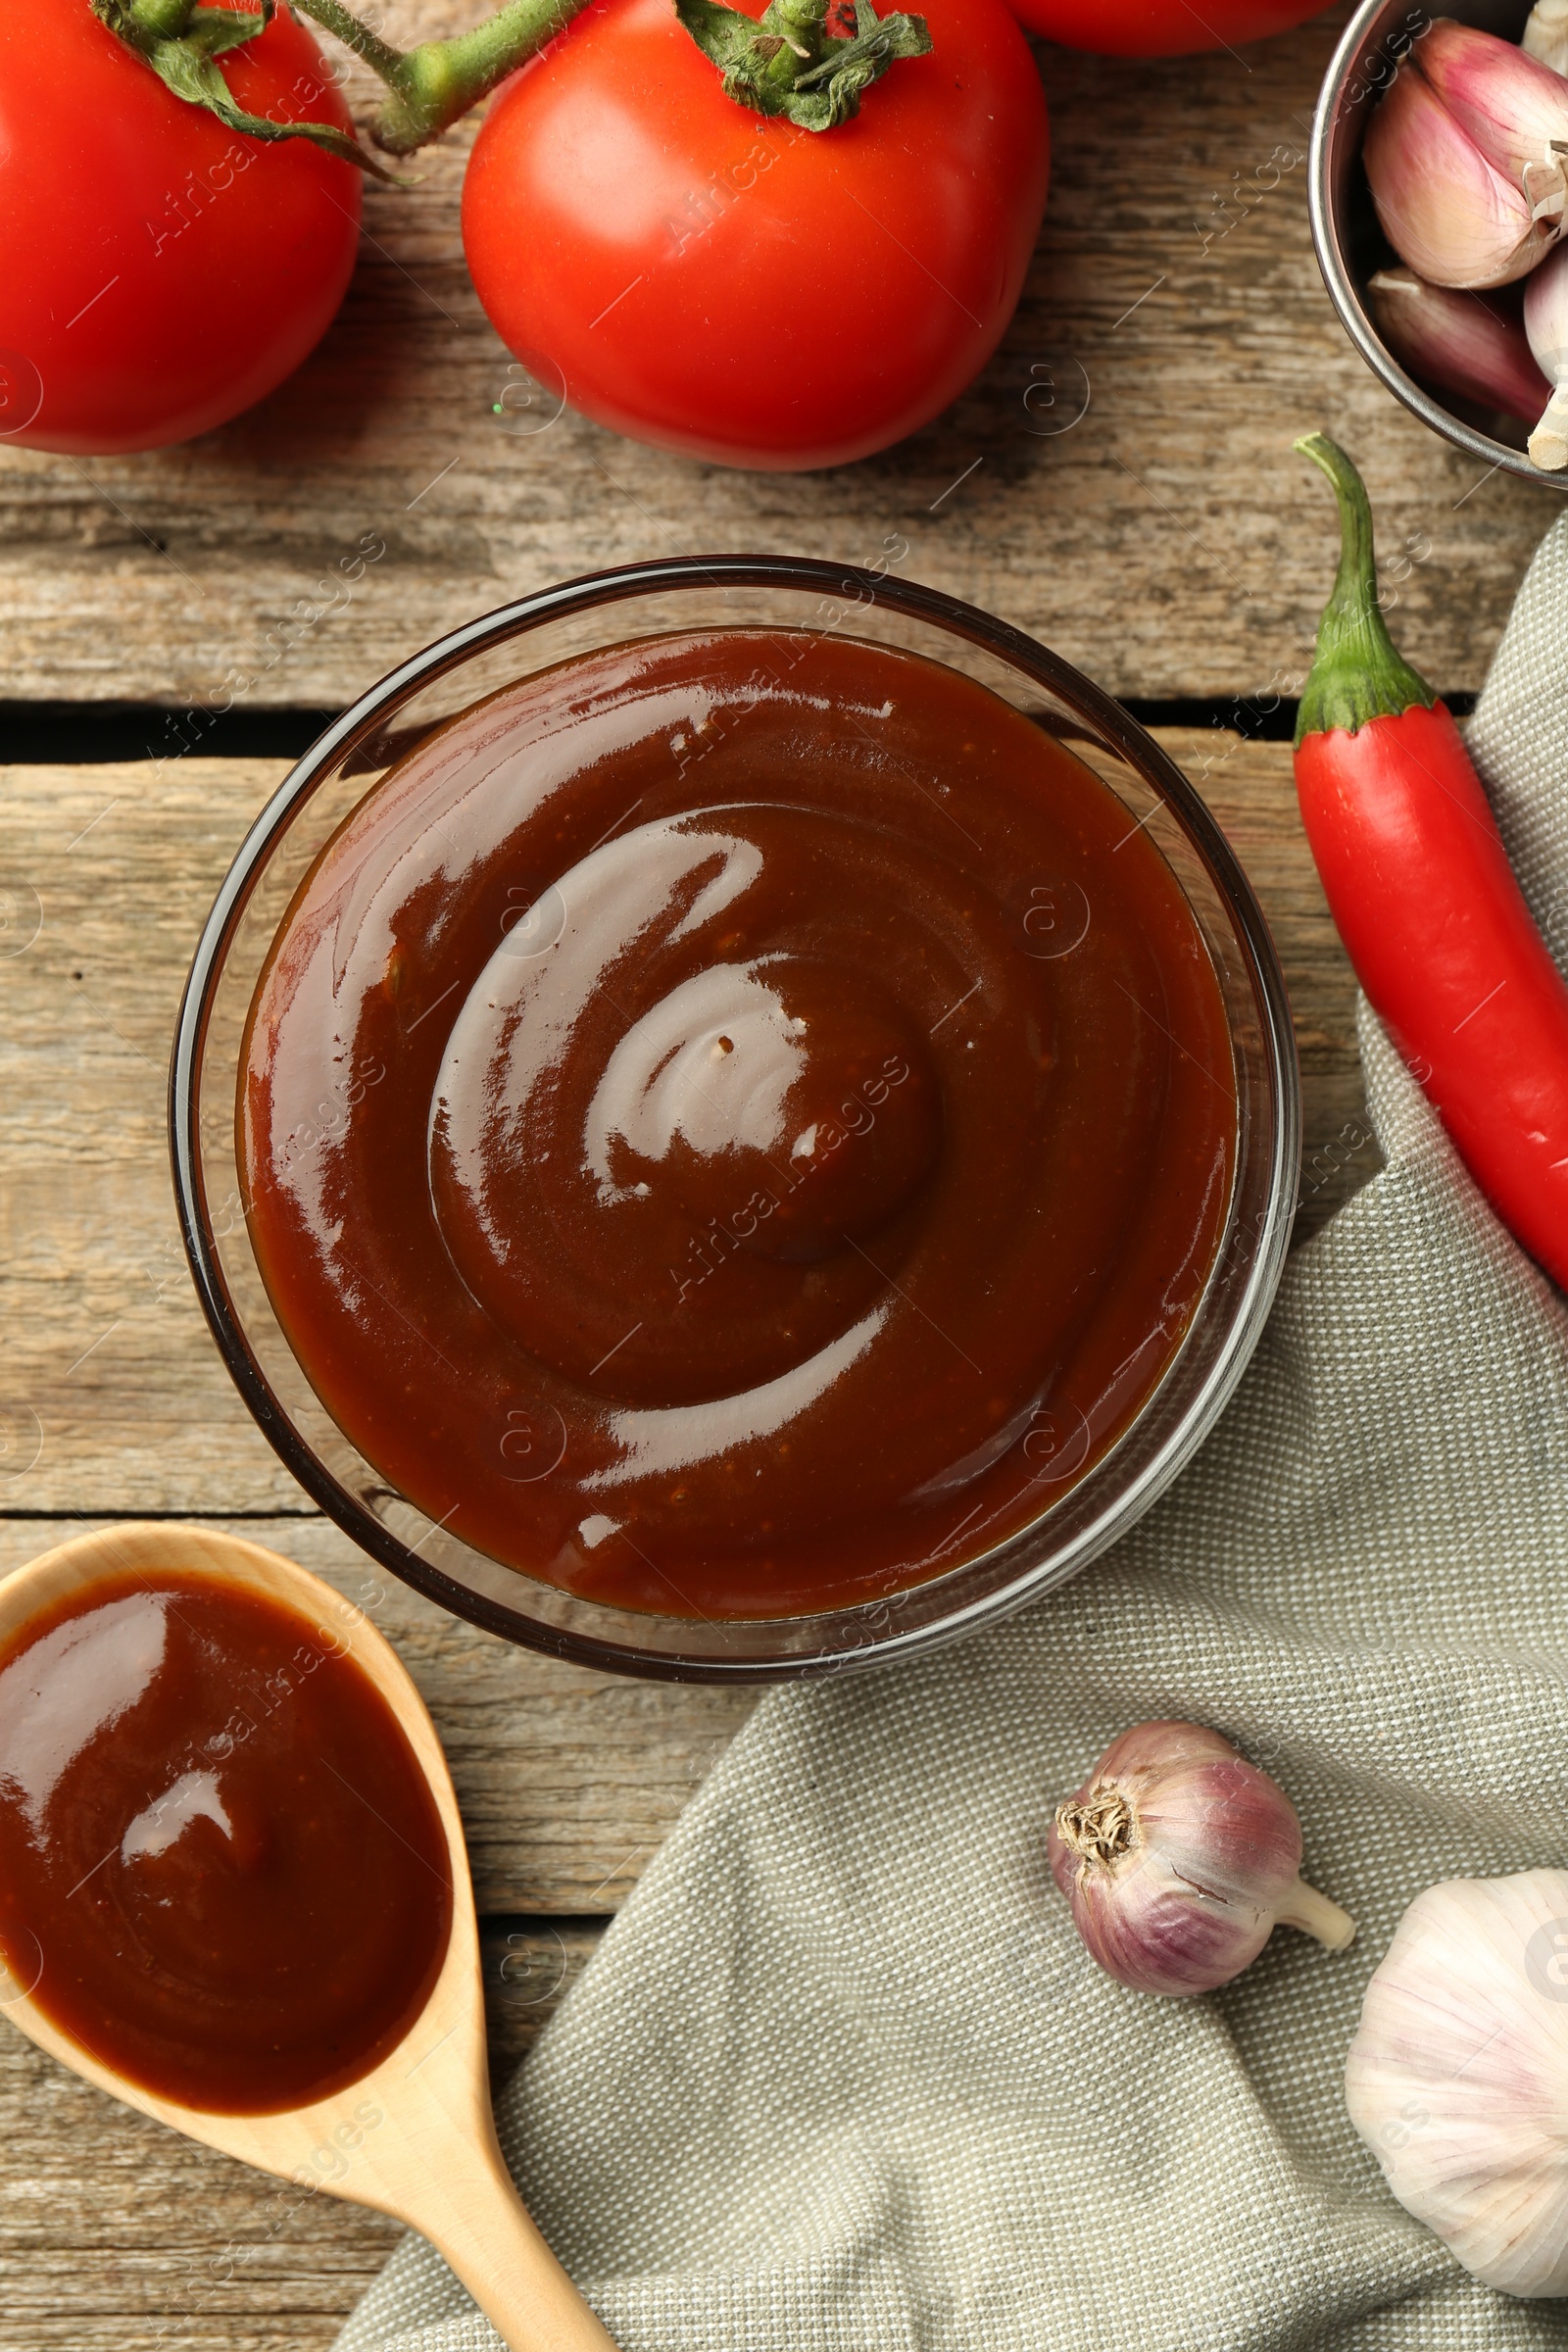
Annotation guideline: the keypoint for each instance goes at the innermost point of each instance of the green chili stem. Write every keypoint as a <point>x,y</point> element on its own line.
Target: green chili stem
<point>1358,673</point>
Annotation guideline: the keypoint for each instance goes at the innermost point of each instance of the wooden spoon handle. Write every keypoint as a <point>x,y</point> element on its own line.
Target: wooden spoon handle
<point>473,2216</point>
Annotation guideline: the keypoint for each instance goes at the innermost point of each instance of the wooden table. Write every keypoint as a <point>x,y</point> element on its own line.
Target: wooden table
<point>1167,540</point>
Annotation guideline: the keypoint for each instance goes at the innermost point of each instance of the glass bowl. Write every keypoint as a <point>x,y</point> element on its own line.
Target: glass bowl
<point>608,608</point>
<point>1351,246</point>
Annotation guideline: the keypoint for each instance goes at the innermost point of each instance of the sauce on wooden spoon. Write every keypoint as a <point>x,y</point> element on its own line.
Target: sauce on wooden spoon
<point>222,1872</point>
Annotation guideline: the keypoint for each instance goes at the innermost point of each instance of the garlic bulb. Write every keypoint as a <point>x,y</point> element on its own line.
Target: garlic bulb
<point>1463,156</point>
<point>1546,325</point>
<point>1457,2078</point>
<point>1459,342</point>
<point>1179,1858</point>
<point>1546,34</point>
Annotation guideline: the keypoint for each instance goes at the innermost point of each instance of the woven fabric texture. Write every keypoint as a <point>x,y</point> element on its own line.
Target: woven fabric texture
<point>842,2079</point>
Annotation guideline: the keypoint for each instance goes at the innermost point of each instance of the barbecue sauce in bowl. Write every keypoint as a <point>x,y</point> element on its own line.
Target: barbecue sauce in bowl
<point>222,1872</point>
<point>738,1124</point>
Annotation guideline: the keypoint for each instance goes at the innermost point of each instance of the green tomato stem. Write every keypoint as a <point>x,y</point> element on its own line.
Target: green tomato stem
<point>181,44</point>
<point>429,87</point>
<point>803,22</point>
<point>378,55</point>
<point>162,19</point>
<point>788,64</point>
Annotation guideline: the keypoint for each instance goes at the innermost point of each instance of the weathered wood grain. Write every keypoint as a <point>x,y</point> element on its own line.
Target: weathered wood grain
<point>1251,788</point>
<point>117,2237</point>
<point>1167,540</point>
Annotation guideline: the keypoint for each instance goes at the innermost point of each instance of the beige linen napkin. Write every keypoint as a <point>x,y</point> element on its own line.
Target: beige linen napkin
<point>842,2079</point>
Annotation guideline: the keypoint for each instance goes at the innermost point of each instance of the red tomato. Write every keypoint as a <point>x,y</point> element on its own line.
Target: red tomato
<point>1160,27</point>
<point>162,273</point>
<point>734,287</point>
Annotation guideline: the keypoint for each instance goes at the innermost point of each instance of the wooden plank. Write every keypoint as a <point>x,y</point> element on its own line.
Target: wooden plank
<point>115,2235</point>
<point>1251,789</point>
<point>1169,541</point>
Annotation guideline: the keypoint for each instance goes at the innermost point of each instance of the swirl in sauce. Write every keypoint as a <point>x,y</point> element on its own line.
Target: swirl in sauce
<point>738,1123</point>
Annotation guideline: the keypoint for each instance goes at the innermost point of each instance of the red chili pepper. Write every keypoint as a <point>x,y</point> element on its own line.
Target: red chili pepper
<point>1425,901</point>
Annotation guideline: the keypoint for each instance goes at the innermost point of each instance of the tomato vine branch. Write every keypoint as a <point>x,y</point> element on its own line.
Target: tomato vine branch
<point>378,55</point>
<point>428,88</point>
<point>787,63</point>
<point>182,44</point>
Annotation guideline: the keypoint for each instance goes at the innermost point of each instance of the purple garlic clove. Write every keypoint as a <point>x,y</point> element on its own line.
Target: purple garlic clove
<point>1513,106</point>
<point>1179,1858</point>
<point>1459,342</point>
<point>1460,156</point>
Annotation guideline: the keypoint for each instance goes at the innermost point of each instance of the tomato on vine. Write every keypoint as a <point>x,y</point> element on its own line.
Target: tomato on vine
<point>740,287</point>
<point>681,218</point>
<point>165,268</point>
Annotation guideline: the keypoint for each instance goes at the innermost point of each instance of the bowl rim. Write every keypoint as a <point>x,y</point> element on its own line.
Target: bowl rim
<point>1344,291</point>
<point>1070,687</point>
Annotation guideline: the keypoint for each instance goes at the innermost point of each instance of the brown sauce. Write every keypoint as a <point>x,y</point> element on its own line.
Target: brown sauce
<point>738,1124</point>
<point>222,1869</point>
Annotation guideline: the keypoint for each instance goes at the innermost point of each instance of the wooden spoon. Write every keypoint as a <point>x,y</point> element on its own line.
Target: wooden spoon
<point>429,2158</point>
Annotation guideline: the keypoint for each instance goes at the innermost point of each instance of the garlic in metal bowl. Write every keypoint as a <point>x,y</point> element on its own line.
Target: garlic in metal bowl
<point>1465,157</point>
<point>1459,341</point>
<point>1457,2078</point>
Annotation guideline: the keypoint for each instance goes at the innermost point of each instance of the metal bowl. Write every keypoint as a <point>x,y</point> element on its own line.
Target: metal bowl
<point>608,608</point>
<point>1351,247</point>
